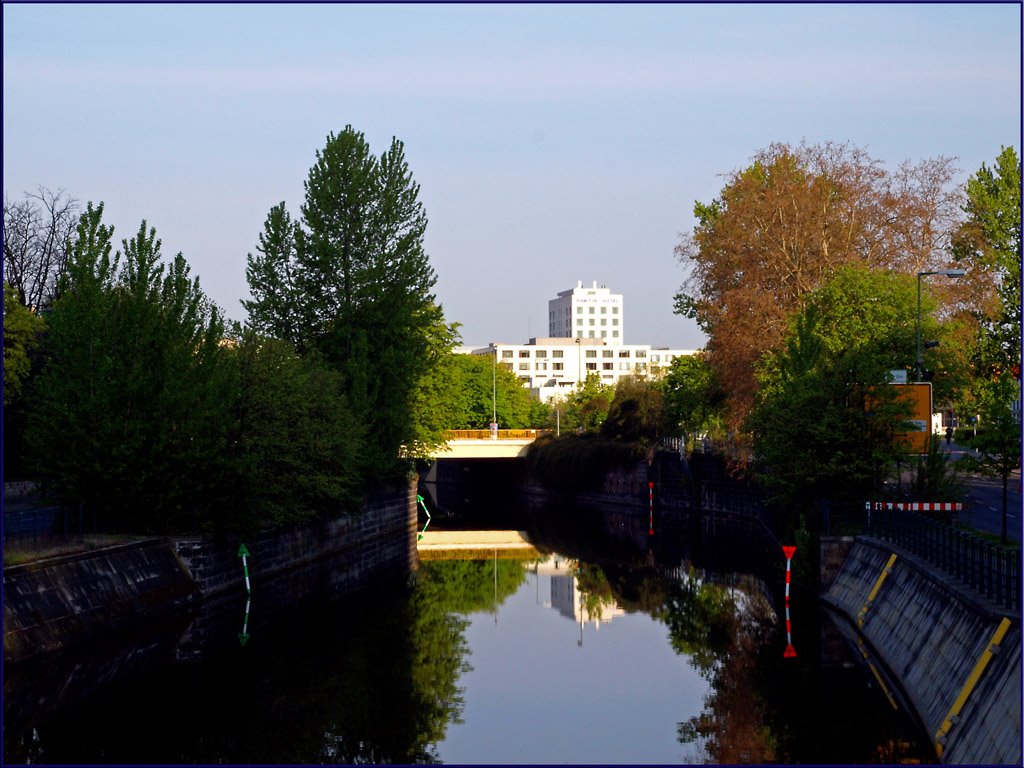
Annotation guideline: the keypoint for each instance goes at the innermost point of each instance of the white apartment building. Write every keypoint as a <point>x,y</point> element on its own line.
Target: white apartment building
<point>550,367</point>
<point>586,338</point>
<point>589,313</point>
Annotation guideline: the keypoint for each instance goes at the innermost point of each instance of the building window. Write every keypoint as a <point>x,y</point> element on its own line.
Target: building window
<point>556,353</point>
<point>615,310</point>
<point>641,353</point>
<point>579,310</point>
<point>579,321</point>
<point>615,321</point>
<point>604,310</point>
<point>506,353</point>
<point>591,310</point>
<point>615,334</point>
<point>624,366</point>
<point>507,366</point>
<point>641,367</point>
<point>591,366</point>
<point>541,353</point>
<point>607,353</point>
<point>542,366</point>
<point>524,366</point>
<point>524,353</point>
<point>603,321</point>
<point>608,366</point>
<point>557,366</point>
<point>591,353</point>
<point>623,353</point>
<point>604,334</point>
<point>592,335</point>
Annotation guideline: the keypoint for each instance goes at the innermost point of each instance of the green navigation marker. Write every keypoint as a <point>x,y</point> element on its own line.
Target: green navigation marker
<point>243,636</point>
<point>243,553</point>
<point>420,500</point>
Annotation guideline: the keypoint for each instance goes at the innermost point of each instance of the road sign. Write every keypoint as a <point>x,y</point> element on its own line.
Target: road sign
<point>918,396</point>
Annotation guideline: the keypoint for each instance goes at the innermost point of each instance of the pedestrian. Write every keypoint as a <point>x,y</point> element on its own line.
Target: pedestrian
<point>949,435</point>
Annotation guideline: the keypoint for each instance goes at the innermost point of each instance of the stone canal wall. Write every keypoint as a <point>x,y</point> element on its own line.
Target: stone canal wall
<point>54,603</point>
<point>50,603</point>
<point>956,657</point>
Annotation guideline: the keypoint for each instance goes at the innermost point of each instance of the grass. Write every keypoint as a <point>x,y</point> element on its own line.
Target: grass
<point>22,552</point>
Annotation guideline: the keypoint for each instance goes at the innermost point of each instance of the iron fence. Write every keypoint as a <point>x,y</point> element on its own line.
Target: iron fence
<point>43,525</point>
<point>990,569</point>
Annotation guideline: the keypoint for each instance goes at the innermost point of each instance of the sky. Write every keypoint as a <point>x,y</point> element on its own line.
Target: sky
<point>552,143</point>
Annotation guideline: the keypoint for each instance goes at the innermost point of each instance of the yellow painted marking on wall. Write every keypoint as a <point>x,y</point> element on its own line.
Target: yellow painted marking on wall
<point>972,681</point>
<point>878,677</point>
<point>874,590</point>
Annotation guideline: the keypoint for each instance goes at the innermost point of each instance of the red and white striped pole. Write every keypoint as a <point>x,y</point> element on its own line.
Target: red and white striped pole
<point>790,651</point>
<point>650,499</point>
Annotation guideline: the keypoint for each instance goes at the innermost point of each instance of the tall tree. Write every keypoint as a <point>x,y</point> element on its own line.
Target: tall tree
<point>351,280</point>
<point>824,419</point>
<point>782,226</point>
<point>127,412</point>
<point>988,243</point>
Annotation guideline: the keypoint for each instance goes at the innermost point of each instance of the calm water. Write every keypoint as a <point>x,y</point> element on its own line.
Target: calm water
<point>611,648</point>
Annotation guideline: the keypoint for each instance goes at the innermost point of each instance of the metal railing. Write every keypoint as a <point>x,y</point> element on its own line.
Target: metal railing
<point>486,434</point>
<point>992,570</point>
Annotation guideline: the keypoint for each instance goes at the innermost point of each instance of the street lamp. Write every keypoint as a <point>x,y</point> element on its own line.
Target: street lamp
<point>950,273</point>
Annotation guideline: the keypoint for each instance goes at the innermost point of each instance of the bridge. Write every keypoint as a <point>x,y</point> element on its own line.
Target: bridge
<point>485,444</point>
<point>475,545</point>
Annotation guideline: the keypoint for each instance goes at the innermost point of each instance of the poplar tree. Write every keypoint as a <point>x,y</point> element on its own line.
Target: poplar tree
<point>350,279</point>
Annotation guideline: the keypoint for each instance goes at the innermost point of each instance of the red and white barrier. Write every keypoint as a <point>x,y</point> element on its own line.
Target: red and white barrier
<point>790,651</point>
<point>916,506</point>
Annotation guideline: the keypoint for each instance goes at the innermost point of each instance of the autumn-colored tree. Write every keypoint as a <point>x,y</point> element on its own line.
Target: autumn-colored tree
<point>783,225</point>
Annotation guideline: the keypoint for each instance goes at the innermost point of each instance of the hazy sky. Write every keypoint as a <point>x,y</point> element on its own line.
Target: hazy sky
<point>552,143</point>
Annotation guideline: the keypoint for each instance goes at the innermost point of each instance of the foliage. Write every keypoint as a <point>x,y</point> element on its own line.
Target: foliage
<point>465,391</point>
<point>636,413</point>
<point>580,462</point>
<point>128,413</point>
<point>701,617</point>
<point>936,476</point>
<point>586,407</point>
<point>295,447</point>
<point>22,332</point>
<point>824,419</point>
<point>694,398</point>
<point>470,586</point>
<point>778,230</point>
<point>37,235</point>
<point>987,244</point>
<point>999,443</point>
<point>350,280</point>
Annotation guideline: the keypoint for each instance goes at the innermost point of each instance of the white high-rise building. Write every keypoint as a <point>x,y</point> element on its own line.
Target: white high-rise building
<point>587,313</point>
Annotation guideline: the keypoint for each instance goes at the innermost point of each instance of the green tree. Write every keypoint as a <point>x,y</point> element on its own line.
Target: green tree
<point>988,245</point>
<point>294,443</point>
<point>636,413</point>
<point>694,398</point>
<point>351,280</point>
<point>586,407</point>
<point>999,442</point>
<point>128,415</point>
<point>22,331</point>
<point>825,419</point>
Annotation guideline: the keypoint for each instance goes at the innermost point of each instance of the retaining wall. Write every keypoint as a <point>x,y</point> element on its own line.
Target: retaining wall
<point>935,636</point>
<point>61,601</point>
<point>50,603</point>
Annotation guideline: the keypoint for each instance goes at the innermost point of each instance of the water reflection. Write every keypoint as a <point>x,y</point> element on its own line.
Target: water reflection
<point>610,647</point>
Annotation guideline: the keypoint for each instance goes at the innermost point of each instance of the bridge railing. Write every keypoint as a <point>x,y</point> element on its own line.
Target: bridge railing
<point>486,434</point>
<point>992,570</point>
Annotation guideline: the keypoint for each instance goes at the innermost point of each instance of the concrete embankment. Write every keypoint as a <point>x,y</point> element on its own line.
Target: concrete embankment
<point>51,603</point>
<point>59,602</point>
<point>956,656</point>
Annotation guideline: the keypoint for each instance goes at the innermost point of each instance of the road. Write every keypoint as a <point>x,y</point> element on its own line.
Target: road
<point>985,497</point>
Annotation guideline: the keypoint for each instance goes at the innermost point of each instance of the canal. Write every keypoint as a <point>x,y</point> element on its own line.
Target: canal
<point>606,645</point>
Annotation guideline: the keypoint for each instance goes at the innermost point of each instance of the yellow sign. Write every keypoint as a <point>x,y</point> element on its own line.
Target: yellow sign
<point>919,397</point>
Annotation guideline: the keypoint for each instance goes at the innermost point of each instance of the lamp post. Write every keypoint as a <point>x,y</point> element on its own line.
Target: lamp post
<point>950,273</point>
<point>494,396</point>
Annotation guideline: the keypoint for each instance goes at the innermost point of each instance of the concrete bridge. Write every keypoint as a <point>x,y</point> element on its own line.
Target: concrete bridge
<point>485,444</point>
<point>475,545</point>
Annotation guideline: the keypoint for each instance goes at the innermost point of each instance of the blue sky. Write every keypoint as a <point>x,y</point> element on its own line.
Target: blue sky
<point>552,143</point>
